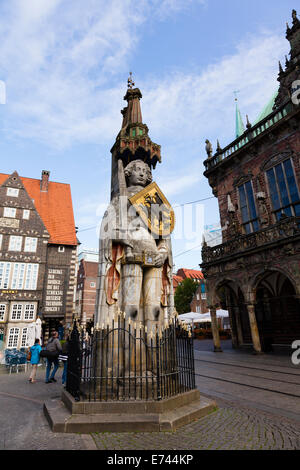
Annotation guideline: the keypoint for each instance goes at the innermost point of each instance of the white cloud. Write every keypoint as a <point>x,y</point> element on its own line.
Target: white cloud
<point>193,106</point>
<point>62,66</point>
<point>57,100</point>
<point>60,58</point>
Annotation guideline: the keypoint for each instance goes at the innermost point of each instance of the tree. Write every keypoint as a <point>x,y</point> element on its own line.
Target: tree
<point>184,295</point>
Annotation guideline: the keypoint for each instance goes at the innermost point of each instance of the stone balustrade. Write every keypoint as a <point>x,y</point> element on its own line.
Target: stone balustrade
<point>252,133</point>
<point>283,230</point>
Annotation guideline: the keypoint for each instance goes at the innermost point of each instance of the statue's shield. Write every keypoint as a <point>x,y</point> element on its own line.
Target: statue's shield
<point>155,210</point>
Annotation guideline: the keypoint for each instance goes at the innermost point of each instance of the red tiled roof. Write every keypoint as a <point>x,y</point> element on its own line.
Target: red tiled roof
<point>176,280</point>
<point>190,273</point>
<point>54,207</point>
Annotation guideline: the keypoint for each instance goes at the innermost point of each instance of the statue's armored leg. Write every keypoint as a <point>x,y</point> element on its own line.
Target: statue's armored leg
<point>132,277</point>
<point>152,291</point>
<point>132,353</point>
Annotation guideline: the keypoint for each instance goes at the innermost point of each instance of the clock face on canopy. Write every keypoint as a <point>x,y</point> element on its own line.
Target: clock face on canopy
<point>155,210</point>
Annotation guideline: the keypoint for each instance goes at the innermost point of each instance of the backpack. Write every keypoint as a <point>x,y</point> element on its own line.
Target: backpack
<point>49,354</point>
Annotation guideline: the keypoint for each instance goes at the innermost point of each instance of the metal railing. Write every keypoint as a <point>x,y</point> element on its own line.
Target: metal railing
<point>123,361</point>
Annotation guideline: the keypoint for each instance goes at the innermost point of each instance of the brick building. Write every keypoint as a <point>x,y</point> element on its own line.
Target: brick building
<point>255,272</point>
<point>37,256</point>
<point>198,304</point>
<point>86,286</point>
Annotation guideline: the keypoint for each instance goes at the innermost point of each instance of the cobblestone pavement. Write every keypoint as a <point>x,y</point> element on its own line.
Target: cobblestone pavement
<point>23,425</point>
<point>258,408</point>
<point>229,428</point>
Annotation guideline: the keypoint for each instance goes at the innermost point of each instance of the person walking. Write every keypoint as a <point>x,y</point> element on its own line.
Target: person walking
<point>54,347</point>
<point>34,359</point>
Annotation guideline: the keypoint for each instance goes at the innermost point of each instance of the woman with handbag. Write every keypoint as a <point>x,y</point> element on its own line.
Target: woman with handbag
<point>34,358</point>
<point>51,352</point>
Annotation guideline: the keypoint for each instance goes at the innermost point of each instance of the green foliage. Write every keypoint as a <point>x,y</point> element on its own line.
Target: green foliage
<point>184,295</point>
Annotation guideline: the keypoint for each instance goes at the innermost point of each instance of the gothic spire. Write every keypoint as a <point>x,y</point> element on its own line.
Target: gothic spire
<point>239,125</point>
<point>132,114</point>
<point>133,141</point>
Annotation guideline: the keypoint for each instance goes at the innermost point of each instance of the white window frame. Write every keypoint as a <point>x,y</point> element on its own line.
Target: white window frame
<point>61,249</point>
<point>21,276</point>
<point>15,243</point>
<point>30,244</point>
<point>14,192</point>
<point>13,338</point>
<point>18,275</point>
<point>10,212</point>
<point>5,269</point>
<point>26,214</point>
<point>31,277</point>
<point>16,311</point>
<point>1,239</point>
<point>203,295</point>
<point>92,284</point>
<point>29,311</point>
<point>22,311</point>
<point>24,337</point>
<point>2,311</point>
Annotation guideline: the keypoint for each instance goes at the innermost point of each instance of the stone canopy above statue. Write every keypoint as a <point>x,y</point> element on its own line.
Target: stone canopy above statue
<point>133,141</point>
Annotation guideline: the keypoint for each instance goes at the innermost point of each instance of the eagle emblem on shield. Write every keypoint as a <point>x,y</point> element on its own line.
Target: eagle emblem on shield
<point>155,210</point>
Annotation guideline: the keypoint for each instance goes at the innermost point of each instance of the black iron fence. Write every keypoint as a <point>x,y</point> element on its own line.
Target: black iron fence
<point>123,361</point>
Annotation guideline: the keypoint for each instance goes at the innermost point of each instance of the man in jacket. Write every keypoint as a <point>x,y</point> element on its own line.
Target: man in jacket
<point>53,346</point>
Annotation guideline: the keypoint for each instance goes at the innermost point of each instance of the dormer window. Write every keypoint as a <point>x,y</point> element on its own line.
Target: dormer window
<point>14,192</point>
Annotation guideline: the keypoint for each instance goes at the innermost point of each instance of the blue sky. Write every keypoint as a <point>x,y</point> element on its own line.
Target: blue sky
<point>65,64</point>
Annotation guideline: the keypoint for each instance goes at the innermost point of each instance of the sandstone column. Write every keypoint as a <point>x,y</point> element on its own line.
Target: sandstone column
<point>254,329</point>
<point>238,325</point>
<point>215,330</point>
<point>234,337</point>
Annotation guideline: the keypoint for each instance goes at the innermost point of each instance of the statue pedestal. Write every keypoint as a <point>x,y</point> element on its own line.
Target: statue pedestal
<point>70,416</point>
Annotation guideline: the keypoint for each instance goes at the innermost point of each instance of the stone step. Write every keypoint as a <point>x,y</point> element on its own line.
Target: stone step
<point>61,420</point>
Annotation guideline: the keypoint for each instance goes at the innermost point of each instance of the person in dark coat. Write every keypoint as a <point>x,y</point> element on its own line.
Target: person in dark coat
<point>54,346</point>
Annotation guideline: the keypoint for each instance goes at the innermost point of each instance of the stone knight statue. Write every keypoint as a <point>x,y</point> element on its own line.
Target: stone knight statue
<point>135,255</point>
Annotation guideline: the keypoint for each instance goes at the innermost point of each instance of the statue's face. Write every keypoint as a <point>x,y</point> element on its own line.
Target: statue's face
<point>138,175</point>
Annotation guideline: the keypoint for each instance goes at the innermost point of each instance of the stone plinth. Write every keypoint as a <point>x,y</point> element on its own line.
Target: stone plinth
<point>69,416</point>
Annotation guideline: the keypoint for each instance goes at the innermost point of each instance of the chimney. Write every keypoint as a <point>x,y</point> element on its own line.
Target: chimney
<point>45,180</point>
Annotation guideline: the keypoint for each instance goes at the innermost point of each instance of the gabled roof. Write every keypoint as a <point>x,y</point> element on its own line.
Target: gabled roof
<point>54,207</point>
<point>268,109</point>
<point>190,273</point>
<point>176,280</point>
